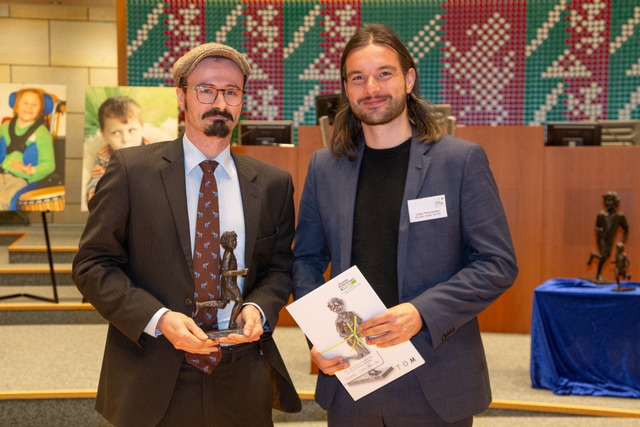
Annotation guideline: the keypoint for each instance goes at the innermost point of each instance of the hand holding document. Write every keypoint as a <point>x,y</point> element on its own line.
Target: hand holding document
<point>331,315</point>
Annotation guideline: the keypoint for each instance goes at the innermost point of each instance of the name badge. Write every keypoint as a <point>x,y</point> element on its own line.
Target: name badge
<point>427,208</point>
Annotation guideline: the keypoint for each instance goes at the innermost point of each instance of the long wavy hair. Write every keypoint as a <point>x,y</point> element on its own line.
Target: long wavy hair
<point>429,123</point>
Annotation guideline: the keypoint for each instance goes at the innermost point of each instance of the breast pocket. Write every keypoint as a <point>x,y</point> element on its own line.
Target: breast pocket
<point>264,248</point>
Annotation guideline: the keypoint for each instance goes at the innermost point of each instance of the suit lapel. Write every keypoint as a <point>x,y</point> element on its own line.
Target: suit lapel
<point>347,177</point>
<point>418,165</point>
<point>173,179</point>
<point>251,195</point>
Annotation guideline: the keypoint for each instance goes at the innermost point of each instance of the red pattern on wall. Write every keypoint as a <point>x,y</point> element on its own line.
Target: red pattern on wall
<point>586,60</point>
<point>263,32</point>
<point>484,64</point>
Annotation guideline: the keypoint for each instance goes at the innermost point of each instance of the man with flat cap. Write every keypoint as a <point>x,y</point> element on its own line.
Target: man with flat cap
<point>150,252</point>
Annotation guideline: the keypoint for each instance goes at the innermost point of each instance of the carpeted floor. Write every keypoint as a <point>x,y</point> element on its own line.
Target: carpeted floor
<point>43,356</point>
<point>68,357</point>
<point>55,357</point>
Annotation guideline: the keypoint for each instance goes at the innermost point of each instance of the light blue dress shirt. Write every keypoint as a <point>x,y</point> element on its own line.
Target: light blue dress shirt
<point>231,214</point>
<point>229,201</point>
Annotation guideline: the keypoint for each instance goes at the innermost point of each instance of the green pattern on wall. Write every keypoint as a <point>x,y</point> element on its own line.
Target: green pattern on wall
<point>496,62</point>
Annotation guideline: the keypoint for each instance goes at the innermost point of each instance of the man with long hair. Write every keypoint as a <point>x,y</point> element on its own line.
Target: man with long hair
<point>419,213</point>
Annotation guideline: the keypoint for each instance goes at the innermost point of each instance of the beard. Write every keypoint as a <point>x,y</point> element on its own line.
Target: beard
<point>218,129</point>
<point>379,117</point>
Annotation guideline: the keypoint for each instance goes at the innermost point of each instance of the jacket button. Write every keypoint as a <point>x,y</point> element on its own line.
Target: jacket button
<point>188,301</point>
<point>449,334</point>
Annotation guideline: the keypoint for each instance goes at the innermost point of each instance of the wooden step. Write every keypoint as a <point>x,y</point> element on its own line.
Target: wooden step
<point>37,275</point>
<point>39,254</point>
<point>29,244</point>
<point>8,237</point>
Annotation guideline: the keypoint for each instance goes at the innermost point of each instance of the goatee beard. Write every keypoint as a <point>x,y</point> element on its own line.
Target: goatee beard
<point>217,129</point>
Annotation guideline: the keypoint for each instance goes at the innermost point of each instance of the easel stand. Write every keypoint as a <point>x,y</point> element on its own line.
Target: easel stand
<point>52,272</point>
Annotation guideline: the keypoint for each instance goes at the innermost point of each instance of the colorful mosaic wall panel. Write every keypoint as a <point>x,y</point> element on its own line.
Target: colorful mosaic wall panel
<point>497,62</point>
<point>484,61</point>
<point>567,61</point>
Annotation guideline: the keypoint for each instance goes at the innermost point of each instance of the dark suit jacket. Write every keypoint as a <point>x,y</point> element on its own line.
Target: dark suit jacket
<point>450,268</point>
<point>135,257</point>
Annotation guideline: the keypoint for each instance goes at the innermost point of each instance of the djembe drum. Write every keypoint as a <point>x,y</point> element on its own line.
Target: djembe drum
<point>43,199</point>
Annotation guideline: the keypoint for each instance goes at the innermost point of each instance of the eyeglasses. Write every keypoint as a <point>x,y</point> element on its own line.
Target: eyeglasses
<point>207,94</point>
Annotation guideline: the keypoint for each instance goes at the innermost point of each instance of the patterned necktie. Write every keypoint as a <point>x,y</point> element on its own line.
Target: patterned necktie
<point>206,262</point>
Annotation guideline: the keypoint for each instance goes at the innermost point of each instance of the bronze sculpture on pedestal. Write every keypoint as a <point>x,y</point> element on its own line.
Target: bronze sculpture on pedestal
<point>608,224</point>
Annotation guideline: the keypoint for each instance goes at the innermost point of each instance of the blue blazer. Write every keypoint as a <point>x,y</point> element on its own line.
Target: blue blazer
<point>450,268</point>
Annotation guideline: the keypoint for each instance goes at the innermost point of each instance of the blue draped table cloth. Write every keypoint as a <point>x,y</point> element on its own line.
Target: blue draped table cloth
<point>585,339</point>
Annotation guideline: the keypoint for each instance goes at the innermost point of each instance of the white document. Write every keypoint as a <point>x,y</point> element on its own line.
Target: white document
<point>330,318</point>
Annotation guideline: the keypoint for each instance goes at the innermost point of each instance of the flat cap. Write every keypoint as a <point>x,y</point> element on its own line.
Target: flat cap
<point>185,65</point>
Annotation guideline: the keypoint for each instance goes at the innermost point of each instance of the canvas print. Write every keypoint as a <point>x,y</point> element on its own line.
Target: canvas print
<point>121,117</point>
<point>32,147</point>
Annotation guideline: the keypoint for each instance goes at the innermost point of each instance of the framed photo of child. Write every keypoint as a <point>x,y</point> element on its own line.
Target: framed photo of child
<point>32,147</point>
<point>122,117</point>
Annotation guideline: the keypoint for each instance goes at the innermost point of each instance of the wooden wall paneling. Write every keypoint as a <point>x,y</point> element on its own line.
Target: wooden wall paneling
<point>516,156</point>
<point>575,179</point>
<point>284,157</point>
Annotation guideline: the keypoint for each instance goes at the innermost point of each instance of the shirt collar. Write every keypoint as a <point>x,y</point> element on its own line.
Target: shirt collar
<point>193,157</point>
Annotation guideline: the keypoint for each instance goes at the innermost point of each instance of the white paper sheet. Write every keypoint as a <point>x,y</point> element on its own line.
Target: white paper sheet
<point>330,316</point>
